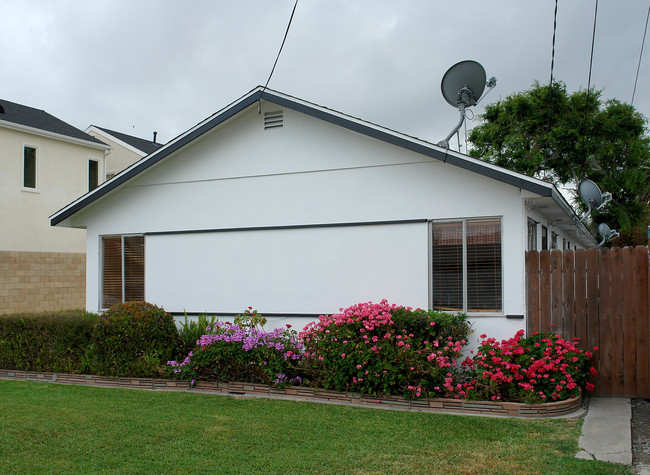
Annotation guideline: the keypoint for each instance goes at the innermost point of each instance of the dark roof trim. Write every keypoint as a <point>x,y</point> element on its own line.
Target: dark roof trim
<point>153,159</point>
<point>333,117</point>
<point>409,144</point>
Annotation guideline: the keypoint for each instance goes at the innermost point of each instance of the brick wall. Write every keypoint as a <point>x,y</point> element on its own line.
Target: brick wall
<point>40,281</point>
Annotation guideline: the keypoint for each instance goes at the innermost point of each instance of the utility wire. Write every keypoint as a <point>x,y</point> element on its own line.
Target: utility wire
<point>550,84</point>
<point>640,55</point>
<point>591,60</point>
<point>259,107</point>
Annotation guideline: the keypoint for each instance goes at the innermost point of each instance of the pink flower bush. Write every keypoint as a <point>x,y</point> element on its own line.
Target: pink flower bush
<point>539,368</point>
<point>382,348</point>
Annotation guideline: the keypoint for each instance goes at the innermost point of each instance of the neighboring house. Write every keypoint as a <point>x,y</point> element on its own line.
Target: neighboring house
<point>298,210</point>
<point>125,149</point>
<point>44,164</point>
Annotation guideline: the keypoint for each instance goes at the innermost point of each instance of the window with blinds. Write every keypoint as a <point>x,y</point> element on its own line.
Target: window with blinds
<point>466,266</point>
<point>122,269</point>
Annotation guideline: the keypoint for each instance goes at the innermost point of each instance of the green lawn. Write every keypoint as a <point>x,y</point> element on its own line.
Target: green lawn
<point>56,429</point>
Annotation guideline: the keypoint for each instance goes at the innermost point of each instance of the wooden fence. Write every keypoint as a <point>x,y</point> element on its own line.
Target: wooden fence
<point>601,297</point>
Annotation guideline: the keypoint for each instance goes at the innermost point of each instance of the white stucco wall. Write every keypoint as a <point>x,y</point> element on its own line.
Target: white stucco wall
<point>307,172</point>
<point>62,176</point>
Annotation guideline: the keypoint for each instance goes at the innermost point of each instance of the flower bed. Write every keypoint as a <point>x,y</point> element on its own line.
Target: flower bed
<point>434,405</point>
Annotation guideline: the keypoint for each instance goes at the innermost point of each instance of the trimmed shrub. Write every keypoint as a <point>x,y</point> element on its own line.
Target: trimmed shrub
<point>48,341</point>
<point>385,349</point>
<point>540,368</point>
<point>133,339</point>
<point>243,351</point>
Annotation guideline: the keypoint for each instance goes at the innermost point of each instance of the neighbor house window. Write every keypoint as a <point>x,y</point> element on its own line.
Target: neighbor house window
<point>122,269</point>
<point>532,235</point>
<point>544,238</point>
<point>466,265</point>
<point>29,167</point>
<point>93,174</point>
<point>553,240</point>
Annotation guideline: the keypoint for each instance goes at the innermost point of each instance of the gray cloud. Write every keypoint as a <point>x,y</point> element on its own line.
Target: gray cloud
<point>165,65</point>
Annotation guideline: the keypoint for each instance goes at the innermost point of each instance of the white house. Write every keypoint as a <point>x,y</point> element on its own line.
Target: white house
<point>298,210</point>
<point>44,164</point>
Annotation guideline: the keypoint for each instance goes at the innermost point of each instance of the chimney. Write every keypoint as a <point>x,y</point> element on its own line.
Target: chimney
<point>154,136</point>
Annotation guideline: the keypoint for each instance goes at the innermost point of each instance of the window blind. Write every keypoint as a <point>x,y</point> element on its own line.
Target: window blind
<point>484,266</point>
<point>111,271</point>
<point>122,269</point>
<point>447,259</point>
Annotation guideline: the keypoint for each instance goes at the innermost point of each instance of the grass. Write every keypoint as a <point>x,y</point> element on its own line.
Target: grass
<point>61,429</point>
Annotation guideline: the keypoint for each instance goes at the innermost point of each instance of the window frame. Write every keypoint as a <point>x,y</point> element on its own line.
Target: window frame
<point>464,222</point>
<point>37,181</point>
<point>99,174</point>
<point>102,306</point>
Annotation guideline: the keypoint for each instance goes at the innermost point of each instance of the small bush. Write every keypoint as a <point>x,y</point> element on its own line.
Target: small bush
<point>243,351</point>
<point>191,330</point>
<point>540,368</point>
<point>386,349</point>
<point>133,339</point>
<point>47,341</point>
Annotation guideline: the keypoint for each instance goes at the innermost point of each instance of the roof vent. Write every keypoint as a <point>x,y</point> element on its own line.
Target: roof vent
<point>273,119</point>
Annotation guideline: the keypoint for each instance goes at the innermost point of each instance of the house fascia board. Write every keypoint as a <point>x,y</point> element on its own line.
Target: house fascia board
<point>357,125</point>
<point>52,135</point>
<point>127,146</point>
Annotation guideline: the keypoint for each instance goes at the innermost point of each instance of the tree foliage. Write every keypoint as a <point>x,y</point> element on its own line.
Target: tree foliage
<point>572,140</point>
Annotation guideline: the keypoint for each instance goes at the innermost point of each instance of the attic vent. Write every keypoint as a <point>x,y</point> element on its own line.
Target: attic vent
<point>2,109</point>
<point>273,119</point>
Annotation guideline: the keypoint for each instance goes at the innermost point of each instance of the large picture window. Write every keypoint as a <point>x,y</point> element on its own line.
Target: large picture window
<point>466,265</point>
<point>122,269</point>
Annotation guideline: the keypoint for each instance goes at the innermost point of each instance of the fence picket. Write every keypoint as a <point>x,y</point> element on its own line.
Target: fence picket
<point>628,317</point>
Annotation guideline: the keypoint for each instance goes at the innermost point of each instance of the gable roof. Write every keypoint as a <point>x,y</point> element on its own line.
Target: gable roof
<point>546,190</point>
<point>143,145</point>
<point>29,119</point>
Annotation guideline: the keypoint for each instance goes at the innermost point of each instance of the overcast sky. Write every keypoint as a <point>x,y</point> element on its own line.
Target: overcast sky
<point>142,65</point>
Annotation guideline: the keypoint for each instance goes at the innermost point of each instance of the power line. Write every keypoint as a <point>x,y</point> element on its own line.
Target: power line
<point>591,60</point>
<point>550,84</point>
<point>640,54</point>
<point>278,56</point>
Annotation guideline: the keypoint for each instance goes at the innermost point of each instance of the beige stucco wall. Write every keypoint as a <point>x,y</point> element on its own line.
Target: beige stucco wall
<point>119,157</point>
<point>62,176</point>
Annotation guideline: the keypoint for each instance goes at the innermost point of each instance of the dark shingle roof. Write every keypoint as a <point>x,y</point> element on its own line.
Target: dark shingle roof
<point>39,119</point>
<point>147,146</point>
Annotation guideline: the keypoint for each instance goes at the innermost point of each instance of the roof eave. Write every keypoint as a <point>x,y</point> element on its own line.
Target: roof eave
<point>53,135</point>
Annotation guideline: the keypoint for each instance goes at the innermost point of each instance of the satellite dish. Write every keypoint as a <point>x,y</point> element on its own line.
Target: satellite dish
<point>606,233</point>
<point>463,83</point>
<point>462,86</point>
<point>593,198</point>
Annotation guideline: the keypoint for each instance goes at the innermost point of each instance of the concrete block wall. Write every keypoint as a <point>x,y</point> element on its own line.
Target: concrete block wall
<point>41,281</point>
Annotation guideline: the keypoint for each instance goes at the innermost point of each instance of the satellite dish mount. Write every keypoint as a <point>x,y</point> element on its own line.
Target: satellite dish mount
<point>462,87</point>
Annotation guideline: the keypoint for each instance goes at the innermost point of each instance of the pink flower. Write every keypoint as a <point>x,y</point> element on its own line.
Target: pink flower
<point>343,355</point>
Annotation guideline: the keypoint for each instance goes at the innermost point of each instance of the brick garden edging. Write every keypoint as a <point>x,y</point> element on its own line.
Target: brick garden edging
<point>437,405</point>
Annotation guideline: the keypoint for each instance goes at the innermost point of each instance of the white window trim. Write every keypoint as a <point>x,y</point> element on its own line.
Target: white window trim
<point>37,167</point>
<point>464,220</point>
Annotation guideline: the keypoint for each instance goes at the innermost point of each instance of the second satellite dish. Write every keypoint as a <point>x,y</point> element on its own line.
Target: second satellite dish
<point>591,195</point>
<point>462,86</point>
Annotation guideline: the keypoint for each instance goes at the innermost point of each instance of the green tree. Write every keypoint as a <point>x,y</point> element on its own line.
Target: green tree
<point>567,139</point>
